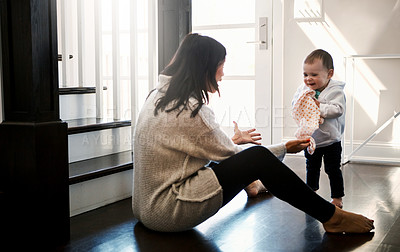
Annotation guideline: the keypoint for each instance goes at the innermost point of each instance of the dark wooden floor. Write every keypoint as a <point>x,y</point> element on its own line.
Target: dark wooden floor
<point>260,224</point>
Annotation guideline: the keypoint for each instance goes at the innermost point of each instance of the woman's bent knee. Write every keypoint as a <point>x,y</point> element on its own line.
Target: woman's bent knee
<point>259,151</point>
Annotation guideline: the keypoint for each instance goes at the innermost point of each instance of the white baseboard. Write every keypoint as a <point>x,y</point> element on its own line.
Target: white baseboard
<point>99,192</point>
<point>99,143</point>
<point>373,152</point>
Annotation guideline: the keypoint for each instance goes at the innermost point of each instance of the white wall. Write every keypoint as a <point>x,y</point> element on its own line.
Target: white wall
<point>358,27</point>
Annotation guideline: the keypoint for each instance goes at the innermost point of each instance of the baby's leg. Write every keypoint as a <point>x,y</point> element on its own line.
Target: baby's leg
<point>313,168</point>
<point>337,202</point>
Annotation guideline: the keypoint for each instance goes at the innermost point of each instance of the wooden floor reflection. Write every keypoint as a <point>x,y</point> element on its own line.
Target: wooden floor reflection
<point>260,224</point>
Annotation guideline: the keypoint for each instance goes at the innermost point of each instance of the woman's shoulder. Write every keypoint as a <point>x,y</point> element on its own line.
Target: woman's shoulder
<point>206,115</point>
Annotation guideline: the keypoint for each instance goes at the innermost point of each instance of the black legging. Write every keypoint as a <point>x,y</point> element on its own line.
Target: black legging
<point>238,171</point>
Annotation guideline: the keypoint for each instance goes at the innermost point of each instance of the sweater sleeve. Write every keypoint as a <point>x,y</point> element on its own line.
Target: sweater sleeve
<point>214,144</point>
<point>335,105</point>
<point>223,144</point>
<point>279,150</point>
<point>199,137</point>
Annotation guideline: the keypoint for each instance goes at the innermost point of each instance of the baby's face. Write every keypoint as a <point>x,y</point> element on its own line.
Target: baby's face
<point>316,76</point>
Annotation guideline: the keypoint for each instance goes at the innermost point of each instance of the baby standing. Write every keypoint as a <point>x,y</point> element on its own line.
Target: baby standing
<point>330,98</point>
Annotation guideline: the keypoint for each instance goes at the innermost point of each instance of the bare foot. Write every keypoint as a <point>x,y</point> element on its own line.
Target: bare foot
<point>337,202</point>
<point>347,222</point>
<point>255,188</point>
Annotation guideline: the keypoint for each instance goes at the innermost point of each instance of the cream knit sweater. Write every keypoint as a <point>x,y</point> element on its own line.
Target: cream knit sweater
<point>173,190</point>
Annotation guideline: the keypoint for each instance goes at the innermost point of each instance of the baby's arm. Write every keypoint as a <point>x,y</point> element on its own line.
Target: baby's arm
<point>334,106</point>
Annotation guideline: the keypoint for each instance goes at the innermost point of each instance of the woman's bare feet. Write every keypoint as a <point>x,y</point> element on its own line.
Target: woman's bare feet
<point>347,222</point>
<point>255,188</point>
<point>337,202</point>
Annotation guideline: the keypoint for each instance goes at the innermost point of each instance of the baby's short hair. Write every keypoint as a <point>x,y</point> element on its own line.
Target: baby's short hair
<point>324,56</point>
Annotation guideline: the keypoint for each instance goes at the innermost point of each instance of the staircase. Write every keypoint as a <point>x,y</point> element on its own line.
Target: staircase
<point>100,156</point>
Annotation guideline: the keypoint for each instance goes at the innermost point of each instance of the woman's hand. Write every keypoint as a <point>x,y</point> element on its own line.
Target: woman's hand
<point>246,136</point>
<point>294,146</point>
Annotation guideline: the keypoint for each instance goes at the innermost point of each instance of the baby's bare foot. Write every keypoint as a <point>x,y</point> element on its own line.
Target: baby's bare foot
<point>255,188</point>
<point>337,202</point>
<point>347,222</point>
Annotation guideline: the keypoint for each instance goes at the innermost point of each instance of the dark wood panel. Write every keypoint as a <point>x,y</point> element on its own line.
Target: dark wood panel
<point>78,90</point>
<point>98,173</point>
<point>34,186</point>
<point>174,22</point>
<point>98,167</point>
<point>34,179</point>
<point>83,125</point>
<point>29,55</point>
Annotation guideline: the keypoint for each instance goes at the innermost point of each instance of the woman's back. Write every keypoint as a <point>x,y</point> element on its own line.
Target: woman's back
<point>173,190</point>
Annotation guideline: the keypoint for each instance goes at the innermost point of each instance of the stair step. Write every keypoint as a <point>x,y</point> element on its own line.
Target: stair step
<point>77,90</point>
<point>98,167</point>
<point>83,125</point>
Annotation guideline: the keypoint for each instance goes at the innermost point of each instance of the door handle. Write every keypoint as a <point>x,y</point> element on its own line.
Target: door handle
<point>262,34</point>
<point>60,57</point>
<point>259,42</point>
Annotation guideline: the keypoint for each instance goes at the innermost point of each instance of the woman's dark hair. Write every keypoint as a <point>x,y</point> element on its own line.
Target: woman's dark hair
<point>193,70</point>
